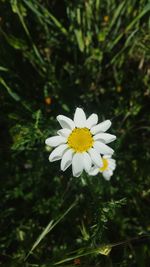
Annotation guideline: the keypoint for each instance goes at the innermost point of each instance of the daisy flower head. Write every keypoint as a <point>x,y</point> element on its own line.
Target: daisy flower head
<point>80,142</point>
<point>109,165</point>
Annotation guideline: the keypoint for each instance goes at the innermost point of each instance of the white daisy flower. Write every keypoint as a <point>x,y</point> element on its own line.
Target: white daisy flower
<point>80,142</point>
<point>107,169</point>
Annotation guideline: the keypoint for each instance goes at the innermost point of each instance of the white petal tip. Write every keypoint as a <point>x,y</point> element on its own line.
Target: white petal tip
<point>79,118</point>
<point>111,152</point>
<point>76,174</point>
<point>58,117</point>
<point>46,142</point>
<point>49,159</point>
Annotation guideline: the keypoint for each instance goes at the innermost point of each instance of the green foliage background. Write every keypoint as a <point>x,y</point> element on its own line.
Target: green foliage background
<point>94,54</point>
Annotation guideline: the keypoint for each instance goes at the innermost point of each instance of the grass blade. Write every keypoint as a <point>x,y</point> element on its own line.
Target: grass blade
<point>3,69</point>
<point>49,228</point>
<point>129,27</point>
<point>9,90</point>
<point>46,15</point>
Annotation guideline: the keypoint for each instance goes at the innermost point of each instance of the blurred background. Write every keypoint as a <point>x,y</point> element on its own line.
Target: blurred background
<point>56,56</point>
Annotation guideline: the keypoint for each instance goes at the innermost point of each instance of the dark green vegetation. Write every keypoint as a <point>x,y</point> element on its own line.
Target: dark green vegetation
<point>54,56</point>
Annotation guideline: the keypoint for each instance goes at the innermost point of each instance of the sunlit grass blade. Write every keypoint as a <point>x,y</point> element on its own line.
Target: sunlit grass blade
<point>14,95</point>
<point>3,69</point>
<point>103,250</point>
<point>16,43</point>
<point>9,90</point>
<point>19,9</point>
<point>49,228</point>
<point>116,15</point>
<point>79,37</point>
<point>127,43</point>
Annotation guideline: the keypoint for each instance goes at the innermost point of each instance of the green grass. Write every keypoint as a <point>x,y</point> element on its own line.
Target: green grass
<point>93,54</point>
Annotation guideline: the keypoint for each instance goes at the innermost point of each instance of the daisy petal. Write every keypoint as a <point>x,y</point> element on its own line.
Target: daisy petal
<point>77,164</point>
<point>64,132</point>
<point>66,159</point>
<point>107,175</point>
<point>96,157</point>
<point>107,156</point>
<point>102,148</point>
<point>112,161</point>
<point>87,161</point>
<point>112,167</point>
<point>55,141</point>
<point>101,127</point>
<point>79,118</point>
<point>91,121</point>
<point>112,164</point>
<point>94,171</point>
<point>105,137</point>
<point>57,153</point>
<point>66,122</point>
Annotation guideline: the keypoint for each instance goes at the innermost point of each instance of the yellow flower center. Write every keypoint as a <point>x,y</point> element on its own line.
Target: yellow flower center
<point>80,140</point>
<point>105,165</point>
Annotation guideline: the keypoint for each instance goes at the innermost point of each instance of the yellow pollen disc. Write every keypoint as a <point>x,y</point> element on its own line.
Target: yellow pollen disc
<point>105,165</point>
<point>80,140</point>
